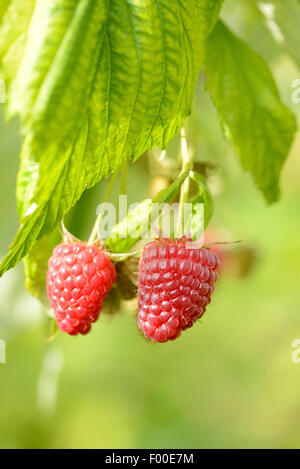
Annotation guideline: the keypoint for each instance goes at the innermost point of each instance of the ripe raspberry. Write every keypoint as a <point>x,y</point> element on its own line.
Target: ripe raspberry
<point>175,285</point>
<point>79,278</point>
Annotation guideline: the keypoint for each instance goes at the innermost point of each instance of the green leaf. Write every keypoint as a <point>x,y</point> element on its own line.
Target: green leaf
<point>3,7</point>
<point>128,232</point>
<point>283,19</point>
<point>36,264</point>
<point>197,221</point>
<point>168,194</point>
<point>15,17</point>
<point>53,331</point>
<point>253,117</point>
<point>131,229</point>
<point>209,10</point>
<point>95,83</point>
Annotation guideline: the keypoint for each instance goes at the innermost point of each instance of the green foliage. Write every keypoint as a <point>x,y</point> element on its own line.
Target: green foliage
<point>286,15</point>
<point>36,264</point>
<point>95,83</point>
<point>98,82</point>
<point>131,229</point>
<point>15,16</point>
<point>198,220</point>
<point>126,234</point>
<point>253,117</point>
<point>209,10</point>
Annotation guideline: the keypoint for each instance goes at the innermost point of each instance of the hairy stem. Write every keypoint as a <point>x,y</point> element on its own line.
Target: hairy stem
<point>187,164</point>
<point>94,233</point>
<point>124,171</point>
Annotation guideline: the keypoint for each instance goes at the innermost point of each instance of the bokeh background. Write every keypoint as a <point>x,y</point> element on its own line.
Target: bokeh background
<point>228,382</point>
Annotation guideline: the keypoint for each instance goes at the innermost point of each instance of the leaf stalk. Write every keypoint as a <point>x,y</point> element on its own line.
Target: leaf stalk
<point>187,165</point>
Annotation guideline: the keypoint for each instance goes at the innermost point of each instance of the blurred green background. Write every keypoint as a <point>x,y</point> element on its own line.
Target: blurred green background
<point>229,381</point>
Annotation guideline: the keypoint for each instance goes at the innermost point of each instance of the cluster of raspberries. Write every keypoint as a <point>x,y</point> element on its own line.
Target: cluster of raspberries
<point>175,284</point>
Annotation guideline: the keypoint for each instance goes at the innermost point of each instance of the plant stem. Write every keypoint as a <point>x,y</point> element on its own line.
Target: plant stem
<point>222,243</point>
<point>124,171</point>
<point>123,185</point>
<point>94,233</point>
<point>187,164</point>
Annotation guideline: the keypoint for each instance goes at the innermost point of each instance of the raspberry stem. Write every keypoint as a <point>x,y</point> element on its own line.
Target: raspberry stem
<point>94,234</point>
<point>187,164</point>
<point>222,243</point>
<point>124,171</point>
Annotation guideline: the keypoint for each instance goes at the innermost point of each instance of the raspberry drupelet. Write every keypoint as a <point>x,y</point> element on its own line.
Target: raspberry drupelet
<point>79,278</point>
<point>176,281</point>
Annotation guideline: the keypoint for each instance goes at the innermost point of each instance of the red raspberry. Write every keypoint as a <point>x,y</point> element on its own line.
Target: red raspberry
<point>79,278</point>
<point>176,281</point>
